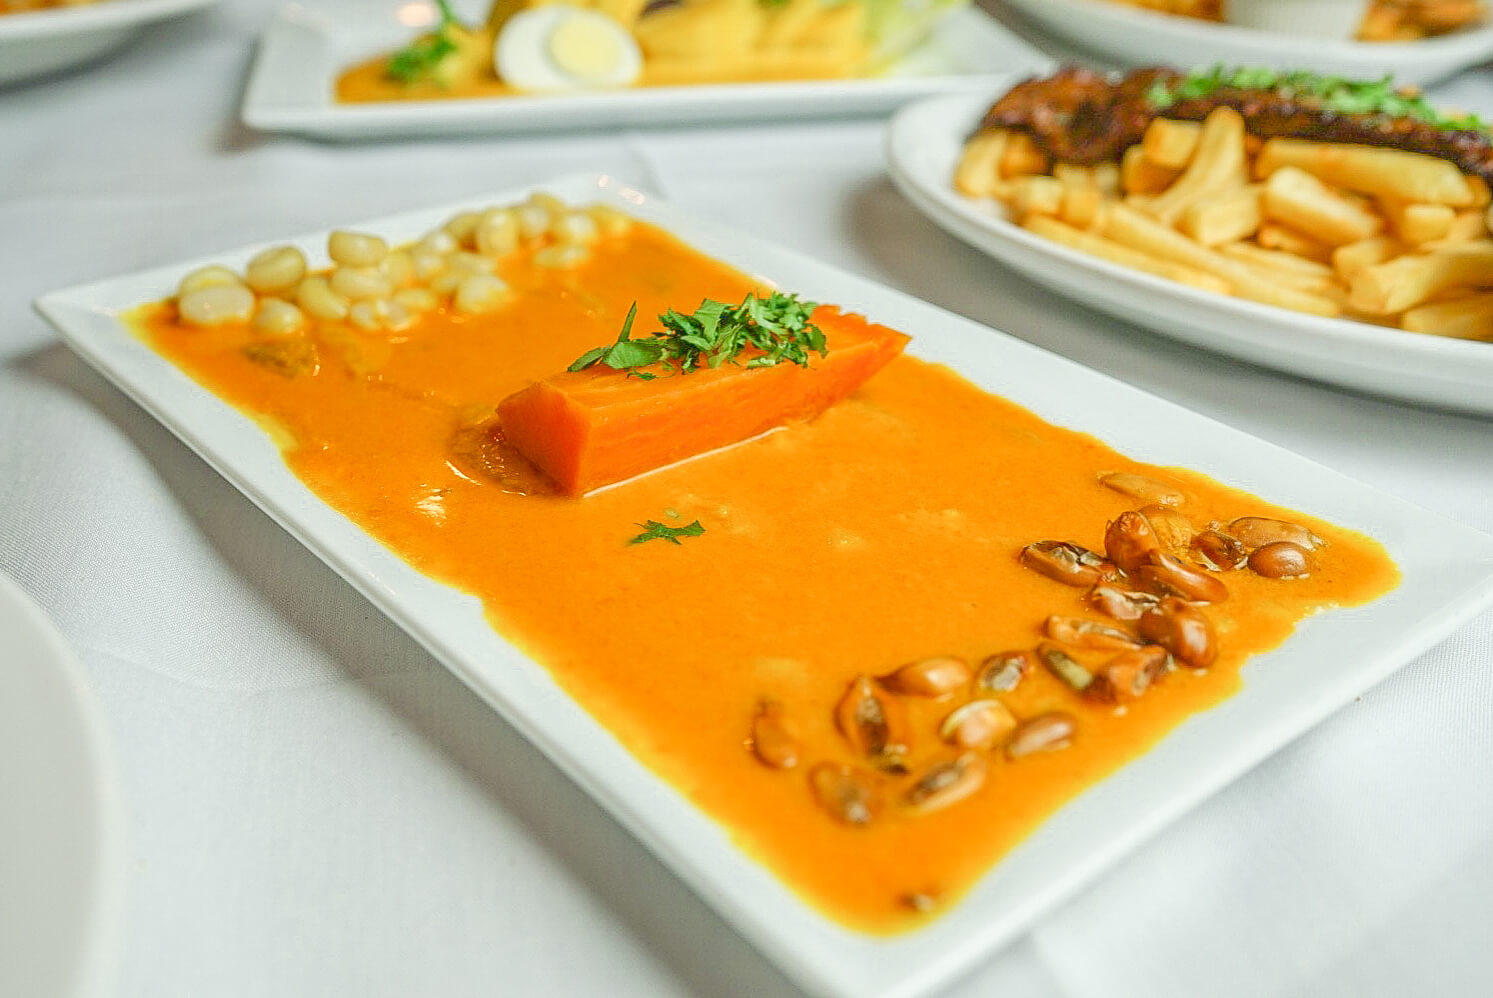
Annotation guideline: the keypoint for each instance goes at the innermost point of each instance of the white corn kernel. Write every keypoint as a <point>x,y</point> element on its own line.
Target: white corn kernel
<point>547,201</point>
<point>479,293</point>
<point>440,242</point>
<point>497,232</point>
<point>207,277</point>
<point>561,256</point>
<point>446,282</point>
<point>358,283</point>
<point>276,270</point>
<point>316,297</point>
<point>469,263</point>
<point>416,300</point>
<point>609,220</point>
<point>575,227</point>
<point>369,314</point>
<point>398,267</point>
<point>278,317</point>
<point>356,249</point>
<point>398,317</point>
<point>460,227</point>
<point>533,220</point>
<point>427,264</point>
<point>216,304</point>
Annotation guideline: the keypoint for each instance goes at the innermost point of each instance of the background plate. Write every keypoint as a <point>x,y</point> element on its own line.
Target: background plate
<point>58,815</point>
<point>923,145</point>
<point>1447,577</point>
<point>43,41</point>
<point>1132,36</point>
<point>307,45</point>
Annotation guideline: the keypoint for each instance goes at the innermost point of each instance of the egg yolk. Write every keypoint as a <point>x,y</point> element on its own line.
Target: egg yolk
<point>585,49</point>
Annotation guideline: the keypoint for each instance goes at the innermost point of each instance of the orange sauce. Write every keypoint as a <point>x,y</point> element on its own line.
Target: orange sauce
<point>884,531</point>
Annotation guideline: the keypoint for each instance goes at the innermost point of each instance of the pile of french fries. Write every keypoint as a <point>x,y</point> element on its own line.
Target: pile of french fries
<point>1383,21</point>
<point>1375,234</point>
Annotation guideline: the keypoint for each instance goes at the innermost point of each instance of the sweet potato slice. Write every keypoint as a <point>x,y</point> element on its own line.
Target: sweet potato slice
<point>589,428</point>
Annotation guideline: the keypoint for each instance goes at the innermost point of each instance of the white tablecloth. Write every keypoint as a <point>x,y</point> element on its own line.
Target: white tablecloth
<point>315,807</point>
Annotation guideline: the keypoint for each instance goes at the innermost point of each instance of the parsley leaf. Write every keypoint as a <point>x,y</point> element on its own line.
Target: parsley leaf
<point>1331,93</point>
<point>655,531</point>
<point>424,54</point>
<point>775,329</point>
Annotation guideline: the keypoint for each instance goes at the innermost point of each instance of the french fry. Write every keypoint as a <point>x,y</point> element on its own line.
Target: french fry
<point>1022,157</point>
<point>1273,235</point>
<point>1371,170</point>
<point>1171,143</point>
<point>1106,249</point>
<point>1349,259</point>
<point>978,173</point>
<point>1138,175</point>
<point>1469,318</point>
<point>1467,226</point>
<point>1081,205</point>
<point>1481,196</point>
<point>1217,166</point>
<point>1300,200</point>
<point>1036,195</point>
<point>1131,228</point>
<point>1073,176</point>
<point>1417,223</point>
<point>1107,178</point>
<point>1225,218</point>
<point>1410,280</point>
<point>1286,268</point>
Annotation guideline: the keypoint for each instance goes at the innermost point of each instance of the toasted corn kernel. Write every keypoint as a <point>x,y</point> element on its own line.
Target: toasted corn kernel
<point>316,297</point>
<point>929,677</point>
<point>1281,560</point>
<point>1068,563</point>
<point>774,738</point>
<point>288,355</point>
<point>1219,551</point>
<point>356,249</point>
<point>1122,604</point>
<point>359,283</point>
<point>1065,667</point>
<point>216,304</point>
<point>947,783</point>
<point>1044,733</point>
<point>1144,487</point>
<point>1257,531</point>
<point>1088,633</point>
<point>496,233</point>
<point>479,293</point>
<point>1003,671</point>
<point>276,270</point>
<point>872,721</point>
<point>1129,674</point>
<point>979,724</point>
<point>1183,630</point>
<point>1173,530</point>
<point>277,317</point>
<point>1129,541</point>
<point>1167,575</point>
<point>849,795</point>
<point>207,277</point>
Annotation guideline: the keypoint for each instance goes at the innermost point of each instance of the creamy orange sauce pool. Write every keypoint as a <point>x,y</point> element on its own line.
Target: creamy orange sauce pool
<point>885,531</point>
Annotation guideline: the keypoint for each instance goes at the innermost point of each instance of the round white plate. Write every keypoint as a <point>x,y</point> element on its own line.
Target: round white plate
<point>922,146</point>
<point>58,815</point>
<point>1133,36</point>
<point>42,41</point>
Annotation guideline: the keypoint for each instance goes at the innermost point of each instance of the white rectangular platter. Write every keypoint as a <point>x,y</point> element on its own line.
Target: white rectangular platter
<point>307,44</point>
<point>1447,577</point>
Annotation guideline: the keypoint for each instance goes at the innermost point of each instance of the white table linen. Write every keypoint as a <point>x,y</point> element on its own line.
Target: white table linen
<point>315,807</point>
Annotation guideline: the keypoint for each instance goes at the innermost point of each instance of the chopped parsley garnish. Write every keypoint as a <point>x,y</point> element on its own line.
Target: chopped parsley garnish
<point>655,531</point>
<point>1332,93</point>
<point>420,58</point>
<point>776,328</point>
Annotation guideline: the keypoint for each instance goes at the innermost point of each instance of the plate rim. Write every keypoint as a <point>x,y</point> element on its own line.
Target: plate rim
<point>63,21</point>
<point>816,952</point>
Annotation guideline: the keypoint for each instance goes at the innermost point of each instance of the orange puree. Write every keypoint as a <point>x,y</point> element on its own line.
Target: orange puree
<point>886,530</point>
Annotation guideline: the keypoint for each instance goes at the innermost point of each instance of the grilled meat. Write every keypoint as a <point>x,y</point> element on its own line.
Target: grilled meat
<point>1079,116</point>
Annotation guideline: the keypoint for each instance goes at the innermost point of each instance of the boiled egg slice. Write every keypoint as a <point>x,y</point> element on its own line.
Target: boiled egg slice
<point>560,47</point>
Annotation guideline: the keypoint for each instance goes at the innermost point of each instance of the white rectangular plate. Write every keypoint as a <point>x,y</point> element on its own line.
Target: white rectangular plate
<point>923,144</point>
<point>1134,36</point>
<point>1448,576</point>
<point>307,44</point>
